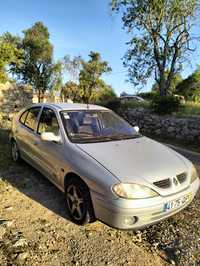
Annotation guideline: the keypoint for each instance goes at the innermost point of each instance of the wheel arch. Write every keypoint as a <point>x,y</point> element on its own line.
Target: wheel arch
<point>74,175</point>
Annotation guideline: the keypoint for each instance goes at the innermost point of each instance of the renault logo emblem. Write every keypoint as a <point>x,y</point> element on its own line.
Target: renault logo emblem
<point>175,181</point>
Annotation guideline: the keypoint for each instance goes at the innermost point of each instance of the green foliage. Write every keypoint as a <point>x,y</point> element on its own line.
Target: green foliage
<point>135,104</point>
<point>190,109</point>
<point>190,87</point>
<point>177,78</point>
<point>147,95</point>
<point>70,91</point>
<point>104,94</point>
<point>10,54</point>
<point>73,65</point>
<point>161,39</point>
<point>165,104</point>
<point>37,68</point>
<point>90,75</point>
<point>113,104</point>
<point>56,77</point>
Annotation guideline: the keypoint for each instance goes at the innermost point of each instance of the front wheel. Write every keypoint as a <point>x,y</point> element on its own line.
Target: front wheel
<point>79,204</point>
<point>15,151</point>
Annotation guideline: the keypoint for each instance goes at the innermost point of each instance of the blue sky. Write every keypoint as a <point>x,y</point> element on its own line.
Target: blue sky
<point>76,27</point>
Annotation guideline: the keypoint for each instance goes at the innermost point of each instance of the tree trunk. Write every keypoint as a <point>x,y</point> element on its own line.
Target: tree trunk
<point>42,96</point>
<point>39,95</point>
<point>162,87</point>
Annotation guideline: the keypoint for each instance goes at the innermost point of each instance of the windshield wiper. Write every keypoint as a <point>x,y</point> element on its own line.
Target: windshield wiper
<point>86,137</point>
<point>123,136</point>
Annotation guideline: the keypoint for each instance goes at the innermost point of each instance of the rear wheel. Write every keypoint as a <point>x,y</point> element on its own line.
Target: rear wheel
<point>79,204</point>
<point>15,151</point>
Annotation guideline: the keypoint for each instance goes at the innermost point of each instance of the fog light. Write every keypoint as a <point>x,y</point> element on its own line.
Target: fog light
<point>130,220</point>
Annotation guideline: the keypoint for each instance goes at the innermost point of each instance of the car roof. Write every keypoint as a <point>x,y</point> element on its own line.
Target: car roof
<point>71,106</point>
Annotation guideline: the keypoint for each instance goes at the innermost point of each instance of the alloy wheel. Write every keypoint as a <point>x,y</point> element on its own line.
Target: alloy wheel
<point>75,202</point>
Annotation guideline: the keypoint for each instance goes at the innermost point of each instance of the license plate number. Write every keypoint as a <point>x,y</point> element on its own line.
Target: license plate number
<point>177,203</point>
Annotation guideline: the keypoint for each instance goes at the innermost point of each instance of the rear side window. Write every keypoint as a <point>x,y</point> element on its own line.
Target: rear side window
<point>32,118</point>
<point>23,117</point>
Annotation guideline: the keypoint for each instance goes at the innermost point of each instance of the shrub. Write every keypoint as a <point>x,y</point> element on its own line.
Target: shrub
<point>147,95</point>
<point>114,105</point>
<point>190,109</point>
<point>134,104</point>
<point>165,104</point>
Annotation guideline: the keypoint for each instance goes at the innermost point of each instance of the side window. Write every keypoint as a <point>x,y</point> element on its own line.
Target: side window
<point>23,117</point>
<point>48,122</point>
<point>32,118</point>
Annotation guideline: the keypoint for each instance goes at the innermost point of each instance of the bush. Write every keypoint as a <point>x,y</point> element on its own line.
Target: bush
<point>114,105</point>
<point>147,95</point>
<point>134,104</point>
<point>190,109</point>
<point>165,104</point>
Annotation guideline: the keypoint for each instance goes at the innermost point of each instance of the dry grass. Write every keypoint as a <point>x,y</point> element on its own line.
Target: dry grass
<point>191,109</point>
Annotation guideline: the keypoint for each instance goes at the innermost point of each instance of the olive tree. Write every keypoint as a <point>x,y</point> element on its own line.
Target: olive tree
<point>161,38</point>
<point>90,75</point>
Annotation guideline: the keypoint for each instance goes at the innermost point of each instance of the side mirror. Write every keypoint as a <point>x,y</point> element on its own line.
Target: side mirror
<point>50,136</point>
<point>136,129</point>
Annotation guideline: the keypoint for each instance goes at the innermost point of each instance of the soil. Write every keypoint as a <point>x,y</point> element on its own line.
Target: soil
<point>35,228</point>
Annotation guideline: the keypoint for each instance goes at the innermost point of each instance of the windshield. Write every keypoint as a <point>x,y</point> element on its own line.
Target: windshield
<point>86,126</point>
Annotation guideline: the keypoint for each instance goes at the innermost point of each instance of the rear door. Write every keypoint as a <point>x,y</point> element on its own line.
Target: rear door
<point>26,134</point>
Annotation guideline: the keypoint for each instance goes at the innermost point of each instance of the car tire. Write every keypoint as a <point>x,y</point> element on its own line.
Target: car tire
<point>78,201</point>
<point>15,153</point>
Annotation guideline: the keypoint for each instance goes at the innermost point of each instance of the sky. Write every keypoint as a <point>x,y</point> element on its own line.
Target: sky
<point>77,27</point>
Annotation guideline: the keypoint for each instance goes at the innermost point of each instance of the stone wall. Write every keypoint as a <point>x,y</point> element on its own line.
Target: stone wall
<point>184,128</point>
<point>13,97</point>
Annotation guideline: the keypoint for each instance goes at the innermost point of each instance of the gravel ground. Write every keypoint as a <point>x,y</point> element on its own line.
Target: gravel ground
<point>35,230</point>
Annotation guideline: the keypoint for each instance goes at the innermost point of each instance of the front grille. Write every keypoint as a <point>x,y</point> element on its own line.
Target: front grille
<point>165,183</point>
<point>182,177</point>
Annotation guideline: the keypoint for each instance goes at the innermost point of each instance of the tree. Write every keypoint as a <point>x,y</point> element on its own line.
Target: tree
<point>70,91</point>
<point>73,65</point>
<point>90,75</point>
<point>104,94</point>
<point>56,77</point>
<point>190,87</point>
<point>177,78</point>
<point>162,38</point>
<point>10,53</point>
<point>37,67</point>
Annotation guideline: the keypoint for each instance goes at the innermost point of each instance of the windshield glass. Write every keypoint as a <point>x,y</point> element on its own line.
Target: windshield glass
<point>86,126</point>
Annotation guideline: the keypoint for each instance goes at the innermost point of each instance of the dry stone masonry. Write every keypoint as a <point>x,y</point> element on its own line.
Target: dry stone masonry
<point>13,97</point>
<point>183,128</point>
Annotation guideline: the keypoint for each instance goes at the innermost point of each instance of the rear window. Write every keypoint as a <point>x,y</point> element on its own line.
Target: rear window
<point>32,118</point>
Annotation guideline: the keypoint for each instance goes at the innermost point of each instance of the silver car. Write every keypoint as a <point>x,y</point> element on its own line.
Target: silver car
<point>106,168</point>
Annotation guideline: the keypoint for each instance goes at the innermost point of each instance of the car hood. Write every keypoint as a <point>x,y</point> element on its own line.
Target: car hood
<point>136,159</point>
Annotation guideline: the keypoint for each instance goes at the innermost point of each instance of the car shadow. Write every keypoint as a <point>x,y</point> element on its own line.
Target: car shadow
<point>33,184</point>
<point>29,181</point>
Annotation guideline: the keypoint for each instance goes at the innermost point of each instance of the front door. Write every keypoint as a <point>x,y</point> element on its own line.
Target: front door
<point>50,154</point>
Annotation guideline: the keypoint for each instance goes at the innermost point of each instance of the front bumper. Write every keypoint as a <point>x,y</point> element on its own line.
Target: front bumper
<point>119,213</point>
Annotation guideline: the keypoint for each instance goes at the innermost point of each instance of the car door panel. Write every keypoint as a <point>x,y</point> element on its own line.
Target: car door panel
<point>49,154</point>
<point>26,136</point>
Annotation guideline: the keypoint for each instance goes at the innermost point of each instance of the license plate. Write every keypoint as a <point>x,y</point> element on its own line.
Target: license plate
<point>177,203</point>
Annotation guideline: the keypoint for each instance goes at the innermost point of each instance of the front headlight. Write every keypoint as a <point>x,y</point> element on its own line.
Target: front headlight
<point>194,174</point>
<point>133,191</point>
